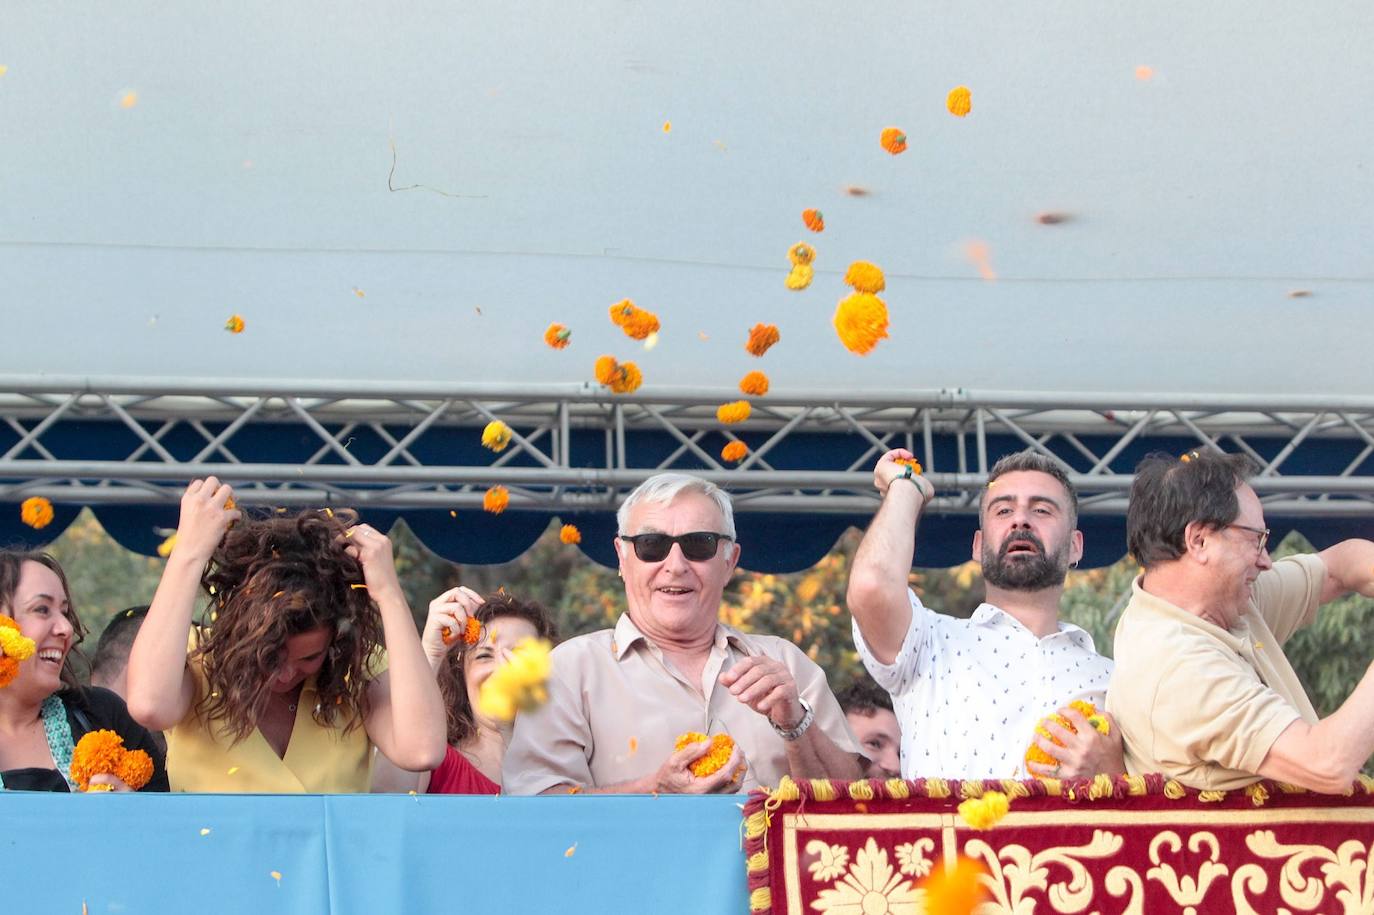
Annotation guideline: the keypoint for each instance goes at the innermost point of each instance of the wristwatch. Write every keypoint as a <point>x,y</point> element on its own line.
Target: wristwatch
<point>808,716</point>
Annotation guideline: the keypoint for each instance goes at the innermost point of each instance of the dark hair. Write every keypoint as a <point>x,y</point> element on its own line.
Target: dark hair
<point>864,698</point>
<point>271,578</point>
<point>1169,493</point>
<point>452,685</point>
<point>112,651</point>
<point>11,567</point>
<point>1031,460</point>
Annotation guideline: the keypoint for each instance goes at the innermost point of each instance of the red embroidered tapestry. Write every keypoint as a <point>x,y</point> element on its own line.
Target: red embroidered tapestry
<point>1126,845</point>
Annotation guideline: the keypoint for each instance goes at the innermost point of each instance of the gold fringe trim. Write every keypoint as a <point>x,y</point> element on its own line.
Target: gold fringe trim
<point>1013,788</point>
<point>787,790</point>
<point>1101,787</point>
<point>1136,786</point>
<point>898,788</point>
<point>1174,791</point>
<point>861,791</point>
<point>756,824</point>
<point>1211,797</point>
<point>1257,793</point>
<point>937,788</point>
<point>761,900</point>
<point>822,789</point>
<point>757,863</point>
<point>970,790</point>
<point>1289,788</point>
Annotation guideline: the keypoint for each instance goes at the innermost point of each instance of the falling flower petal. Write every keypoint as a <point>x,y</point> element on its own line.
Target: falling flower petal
<point>496,435</point>
<point>359,293</point>
<point>1051,218</point>
<point>36,512</point>
<point>1144,73</point>
<point>861,321</point>
<point>959,101</point>
<point>634,746</point>
<point>128,99</point>
<point>667,126</point>
<point>980,256</point>
<point>205,831</point>
<point>233,769</point>
<point>496,499</point>
<point>235,324</point>
<point>276,875</point>
<point>571,849</point>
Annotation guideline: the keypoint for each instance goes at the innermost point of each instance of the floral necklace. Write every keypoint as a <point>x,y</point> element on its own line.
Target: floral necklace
<point>59,733</point>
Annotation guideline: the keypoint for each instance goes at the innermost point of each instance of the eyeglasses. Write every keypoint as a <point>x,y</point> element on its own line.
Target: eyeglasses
<point>697,546</point>
<point>1261,532</point>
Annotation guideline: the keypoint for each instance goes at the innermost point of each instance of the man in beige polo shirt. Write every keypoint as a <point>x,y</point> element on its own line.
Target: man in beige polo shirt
<point>619,698</point>
<point>1202,689</point>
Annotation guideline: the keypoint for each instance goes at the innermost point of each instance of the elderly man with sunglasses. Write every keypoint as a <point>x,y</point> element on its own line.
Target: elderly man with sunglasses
<point>1202,689</point>
<point>620,698</point>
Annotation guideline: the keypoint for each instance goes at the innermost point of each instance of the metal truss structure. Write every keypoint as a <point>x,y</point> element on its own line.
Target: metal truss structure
<point>1314,452</point>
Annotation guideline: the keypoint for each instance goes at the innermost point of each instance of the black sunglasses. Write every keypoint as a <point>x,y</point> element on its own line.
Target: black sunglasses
<point>697,546</point>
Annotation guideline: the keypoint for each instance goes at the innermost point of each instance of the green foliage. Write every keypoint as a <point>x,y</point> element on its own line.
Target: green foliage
<point>103,577</point>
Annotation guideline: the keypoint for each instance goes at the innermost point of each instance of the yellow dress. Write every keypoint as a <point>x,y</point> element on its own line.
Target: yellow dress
<point>319,760</point>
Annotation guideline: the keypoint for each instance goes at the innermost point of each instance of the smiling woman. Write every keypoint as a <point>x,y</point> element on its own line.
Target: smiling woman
<point>44,710</point>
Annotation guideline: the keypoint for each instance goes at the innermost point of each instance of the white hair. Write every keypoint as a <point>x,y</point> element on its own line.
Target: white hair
<point>662,488</point>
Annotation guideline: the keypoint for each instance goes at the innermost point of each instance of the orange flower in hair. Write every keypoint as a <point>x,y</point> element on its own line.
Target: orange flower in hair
<point>722,745</point>
<point>761,337</point>
<point>813,220</point>
<point>865,277</point>
<point>235,324</point>
<point>861,321</point>
<point>36,512</point>
<point>893,140</point>
<point>734,451</point>
<point>959,101</point>
<point>14,647</point>
<point>735,412</point>
<point>102,753</point>
<point>496,499</point>
<point>754,384</point>
<point>557,336</point>
<point>569,533</point>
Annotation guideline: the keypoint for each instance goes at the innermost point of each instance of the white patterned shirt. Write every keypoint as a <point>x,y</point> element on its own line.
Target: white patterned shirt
<point>969,693</point>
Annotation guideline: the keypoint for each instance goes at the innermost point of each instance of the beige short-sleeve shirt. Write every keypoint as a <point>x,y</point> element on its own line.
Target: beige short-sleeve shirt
<point>616,708</point>
<point>1204,704</point>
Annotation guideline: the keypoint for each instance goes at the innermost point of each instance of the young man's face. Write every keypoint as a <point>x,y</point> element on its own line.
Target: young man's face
<point>880,739</point>
<point>1027,540</point>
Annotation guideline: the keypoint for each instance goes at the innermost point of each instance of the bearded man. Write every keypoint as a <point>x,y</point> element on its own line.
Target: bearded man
<point>969,693</point>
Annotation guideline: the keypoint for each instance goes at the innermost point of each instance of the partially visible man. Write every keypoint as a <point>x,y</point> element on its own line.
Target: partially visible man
<point>1202,689</point>
<point>969,692</point>
<point>619,698</point>
<point>868,709</point>
<point>110,666</point>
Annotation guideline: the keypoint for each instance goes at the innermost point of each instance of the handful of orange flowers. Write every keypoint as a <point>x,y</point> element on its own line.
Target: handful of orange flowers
<point>1089,711</point>
<point>103,753</point>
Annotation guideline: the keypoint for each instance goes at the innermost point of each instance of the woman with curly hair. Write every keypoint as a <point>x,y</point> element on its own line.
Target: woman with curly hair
<point>285,686</point>
<point>44,710</point>
<point>477,743</point>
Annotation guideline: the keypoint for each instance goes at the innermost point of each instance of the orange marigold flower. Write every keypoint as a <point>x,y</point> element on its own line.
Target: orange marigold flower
<point>1089,711</point>
<point>640,325</point>
<point>957,890</point>
<point>959,101</point>
<point>472,631</point>
<point>36,512</point>
<point>734,451</point>
<point>914,464</point>
<point>761,337</point>
<point>606,369</point>
<point>734,412</point>
<point>621,311</point>
<point>801,253</point>
<point>558,336</point>
<point>718,755</point>
<point>235,324</point>
<point>14,647</point>
<point>799,277</point>
<point>628,380</point>
<point>865,277</point>
<point>496,435</point>
<point>813,220</point>
<point>754,383</point>
<point>135,769</point>
<point>569,533</point>
<point>496,499</point>
<point>96,753</point>
<point>861,321</point>
<point>893,140</point>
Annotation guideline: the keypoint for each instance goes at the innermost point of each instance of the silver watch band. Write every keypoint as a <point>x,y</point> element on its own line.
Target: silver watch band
<point>808,716</point>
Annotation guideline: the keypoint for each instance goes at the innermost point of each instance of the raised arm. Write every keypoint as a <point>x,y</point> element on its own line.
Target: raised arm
<point>877,594</point>
<point>1349,568</point>
<point>160,687</point>
<point>406,719</point>
<point>1327,756</point>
